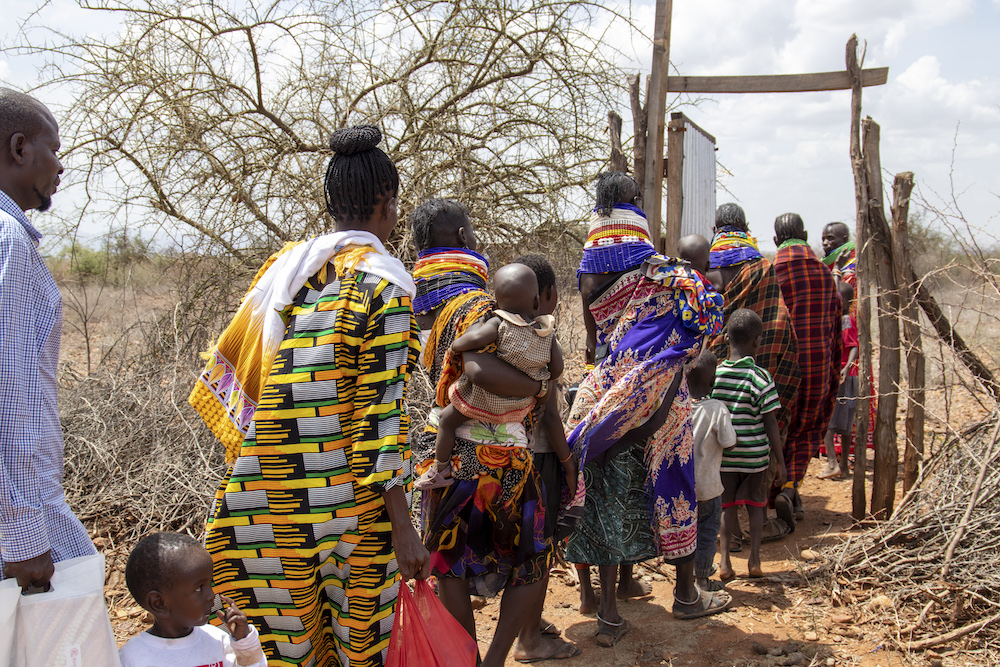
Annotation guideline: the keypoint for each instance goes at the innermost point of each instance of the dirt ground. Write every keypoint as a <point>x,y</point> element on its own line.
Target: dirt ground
<point>780,612</point>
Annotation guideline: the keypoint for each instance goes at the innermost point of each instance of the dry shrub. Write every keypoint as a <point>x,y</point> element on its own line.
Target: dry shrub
<point>138,459</point>
<point>929,575</point>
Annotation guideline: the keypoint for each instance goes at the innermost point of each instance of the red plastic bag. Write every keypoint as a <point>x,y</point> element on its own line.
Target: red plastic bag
<point>425,634</point>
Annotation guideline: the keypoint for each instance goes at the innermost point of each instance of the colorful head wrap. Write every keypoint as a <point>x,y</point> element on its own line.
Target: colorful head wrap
<point>616,242</point>
<point>444,273</point>
<point>732,246</point>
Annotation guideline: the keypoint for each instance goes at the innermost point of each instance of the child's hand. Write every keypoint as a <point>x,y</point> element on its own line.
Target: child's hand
<point>782,476</point>
<point>843,374</point>
<point>235,619</point>
<point>569,470</point>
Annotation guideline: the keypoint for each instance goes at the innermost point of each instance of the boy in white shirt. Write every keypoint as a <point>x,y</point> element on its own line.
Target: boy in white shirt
<point>170,576</point>
<point>713,432</point>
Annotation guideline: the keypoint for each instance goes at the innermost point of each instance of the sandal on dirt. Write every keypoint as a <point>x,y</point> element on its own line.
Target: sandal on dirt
<point>434,478</point>
<point>714,585</point>
<point>562,651</point>
<point>784,509</point>
<point>547,628</point>
<point>609,634</point>
<point>735,545</point>
<point>707,604</point>
<point>774,529</point>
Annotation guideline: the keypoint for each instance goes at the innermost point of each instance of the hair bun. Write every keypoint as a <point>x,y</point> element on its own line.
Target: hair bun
<point>352,140</point>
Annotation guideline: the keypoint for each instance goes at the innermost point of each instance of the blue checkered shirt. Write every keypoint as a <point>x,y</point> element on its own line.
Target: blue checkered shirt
<point>34,516</point>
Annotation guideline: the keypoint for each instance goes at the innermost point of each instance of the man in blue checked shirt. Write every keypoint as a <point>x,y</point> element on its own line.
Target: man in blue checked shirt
<point>37,527</point>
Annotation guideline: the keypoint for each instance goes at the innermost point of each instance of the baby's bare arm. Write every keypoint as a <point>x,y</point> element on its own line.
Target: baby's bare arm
<point>556,362</point>
<point>478,336</point>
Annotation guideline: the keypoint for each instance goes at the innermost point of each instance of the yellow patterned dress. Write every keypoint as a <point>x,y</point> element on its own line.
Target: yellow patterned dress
<point>299,534</point>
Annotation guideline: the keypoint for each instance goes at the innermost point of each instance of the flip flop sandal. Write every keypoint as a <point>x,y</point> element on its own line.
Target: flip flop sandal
<point>714,585</point>
<point>549,629</point>
<point>434,478</point>
<point>609,635</point>
<point>560,653</point>
<point>706,605</point>
<point>783,508</point>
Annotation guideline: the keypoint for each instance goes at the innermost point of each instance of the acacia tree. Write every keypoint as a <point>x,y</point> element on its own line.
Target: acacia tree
<point>210,118</point>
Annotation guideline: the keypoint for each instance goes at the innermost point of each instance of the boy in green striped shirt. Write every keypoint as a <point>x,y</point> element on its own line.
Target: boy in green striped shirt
<point>748,391</point>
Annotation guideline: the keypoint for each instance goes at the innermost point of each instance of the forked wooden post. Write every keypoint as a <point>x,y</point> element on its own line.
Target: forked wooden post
<point>863,295</point>
<point>886,449</point>
<point>913,343</point>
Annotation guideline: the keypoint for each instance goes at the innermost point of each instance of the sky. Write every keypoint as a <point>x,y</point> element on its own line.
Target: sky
<point>939,112</point>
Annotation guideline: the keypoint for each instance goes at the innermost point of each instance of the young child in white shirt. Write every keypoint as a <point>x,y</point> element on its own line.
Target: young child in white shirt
<point>713,432</point>
<point>170,576</point>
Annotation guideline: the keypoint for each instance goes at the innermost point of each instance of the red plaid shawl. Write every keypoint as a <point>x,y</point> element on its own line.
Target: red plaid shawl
<point>756,287</point>
<point>812,299</point>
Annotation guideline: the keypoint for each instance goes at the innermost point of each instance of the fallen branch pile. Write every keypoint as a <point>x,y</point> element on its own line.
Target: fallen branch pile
<point>931,574</point>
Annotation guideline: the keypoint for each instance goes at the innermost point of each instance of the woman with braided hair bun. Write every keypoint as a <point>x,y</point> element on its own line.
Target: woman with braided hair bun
<point>310,530</point>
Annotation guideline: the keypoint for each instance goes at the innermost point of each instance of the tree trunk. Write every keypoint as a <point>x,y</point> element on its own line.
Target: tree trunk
<point>910,312</point>
<point>863,295</point>
<point>886,449</point>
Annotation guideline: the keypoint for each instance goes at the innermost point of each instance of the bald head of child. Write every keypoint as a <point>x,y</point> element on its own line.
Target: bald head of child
<point>516,289</point>
<point>695,249</point>
<point>744,331</point>
<point>170,576</point>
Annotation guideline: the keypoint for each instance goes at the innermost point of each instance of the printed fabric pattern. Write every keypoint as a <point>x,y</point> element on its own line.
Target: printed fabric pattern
<point>814,303</point>
<point>756,287</point>
<point>300,536</point>
<point>652,320</point>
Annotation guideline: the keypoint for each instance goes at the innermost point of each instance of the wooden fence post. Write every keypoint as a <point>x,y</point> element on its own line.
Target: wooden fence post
<point>618,162</point>
<point>863,295</point>
<point>886,449</point>
<point>656,104</point>
<point>910,312</point>
<point>639,123</point>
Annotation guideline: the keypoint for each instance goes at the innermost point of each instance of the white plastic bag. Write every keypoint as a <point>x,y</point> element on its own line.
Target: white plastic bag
<point>9,593</point>
<point>68,625</point>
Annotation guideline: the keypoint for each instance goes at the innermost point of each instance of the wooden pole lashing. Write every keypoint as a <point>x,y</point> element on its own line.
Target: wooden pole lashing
<point>913,454</point>
<point>863,295</point>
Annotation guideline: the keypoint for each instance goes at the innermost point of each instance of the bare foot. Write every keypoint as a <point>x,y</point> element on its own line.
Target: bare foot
<point>549,648</point>
<point>726,574</point>
<point>754,570</point>
<point>633,588</point>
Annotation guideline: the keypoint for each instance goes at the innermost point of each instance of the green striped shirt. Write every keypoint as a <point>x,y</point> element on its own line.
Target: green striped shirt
<point>748,391</point>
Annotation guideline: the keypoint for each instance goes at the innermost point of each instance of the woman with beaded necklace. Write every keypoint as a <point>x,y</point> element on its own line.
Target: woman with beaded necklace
<point>311,529</point>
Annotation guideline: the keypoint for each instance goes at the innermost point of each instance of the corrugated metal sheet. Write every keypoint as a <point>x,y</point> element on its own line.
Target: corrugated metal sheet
<point>698,207</point>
